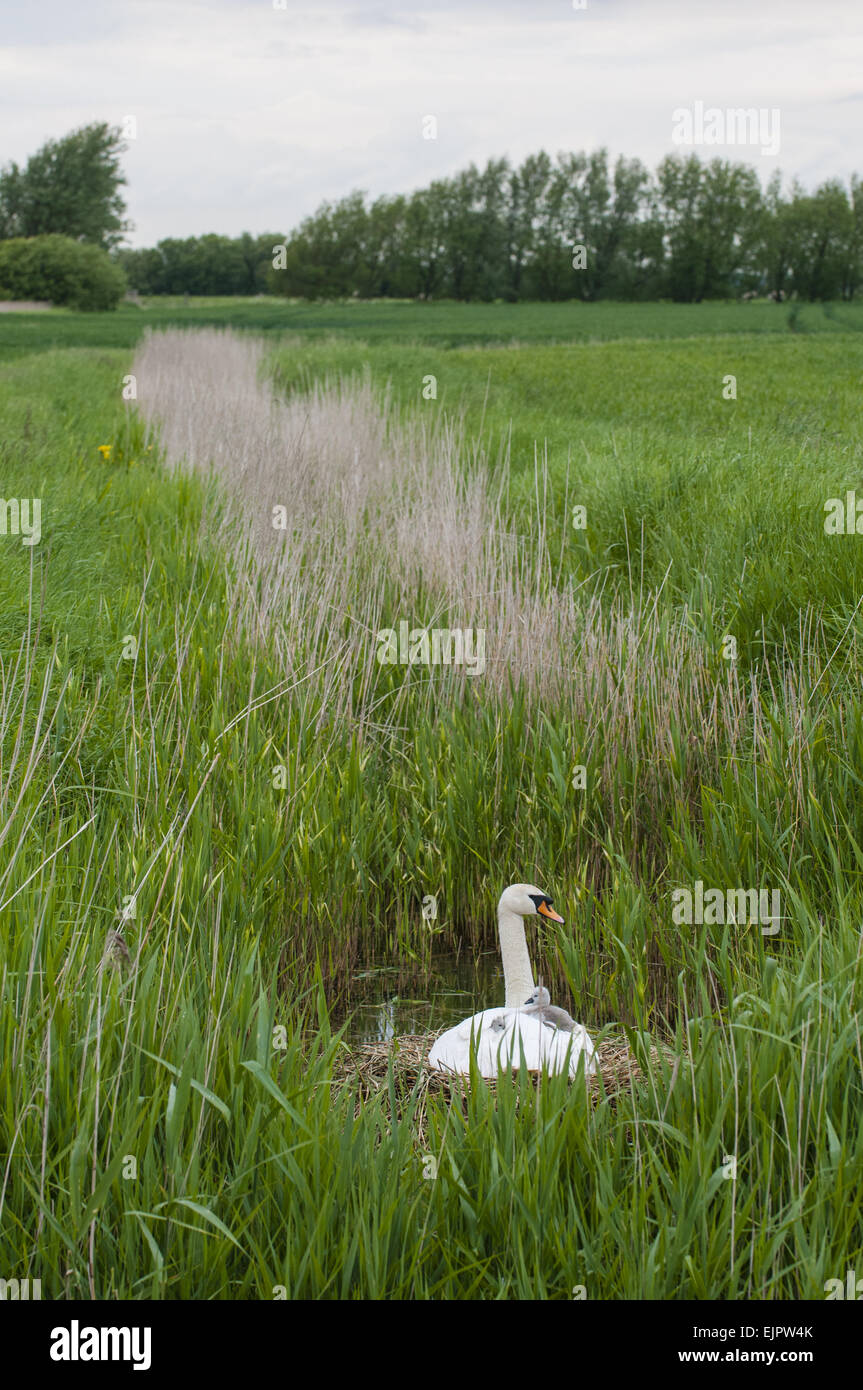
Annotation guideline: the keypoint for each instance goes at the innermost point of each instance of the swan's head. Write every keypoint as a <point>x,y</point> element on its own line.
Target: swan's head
<point>524,899</point>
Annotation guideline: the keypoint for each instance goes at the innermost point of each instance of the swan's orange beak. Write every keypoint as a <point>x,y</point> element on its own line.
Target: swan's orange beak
<point>549,913</point>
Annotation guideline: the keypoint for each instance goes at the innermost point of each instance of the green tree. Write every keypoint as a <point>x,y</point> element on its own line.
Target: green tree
<point>425,241</point>
<point>256,253</point>
<point>60,270</point>
<point>679,184</point>
<point>600,209</point>
<point>711,216</point>
<point>387,255</point>
<point>852,256</point>
<point>328,256</point>
<point>69,187</point>
<point>462,233</point>
<point>525,191</point>
<point>550,273</point>
<point>822,229</point>
<point>775,239</point>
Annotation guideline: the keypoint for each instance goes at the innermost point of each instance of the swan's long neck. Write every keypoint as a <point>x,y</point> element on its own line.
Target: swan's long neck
<point>517,972</point>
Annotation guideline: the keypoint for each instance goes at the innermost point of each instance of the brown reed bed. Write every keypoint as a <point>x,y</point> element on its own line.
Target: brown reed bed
<point>369,1064</point>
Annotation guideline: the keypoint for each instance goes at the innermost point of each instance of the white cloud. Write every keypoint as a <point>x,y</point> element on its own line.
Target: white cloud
<point>248,116</point>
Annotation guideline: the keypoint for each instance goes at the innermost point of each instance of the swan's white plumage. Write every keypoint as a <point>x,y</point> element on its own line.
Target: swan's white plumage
<point>500,1049</point>
<point>499,1038</point>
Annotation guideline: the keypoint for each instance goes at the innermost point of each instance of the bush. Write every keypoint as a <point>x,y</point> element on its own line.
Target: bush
<point>61,270</point>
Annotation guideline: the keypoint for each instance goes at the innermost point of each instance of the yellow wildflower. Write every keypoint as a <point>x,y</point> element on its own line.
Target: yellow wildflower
<point>105,451</point>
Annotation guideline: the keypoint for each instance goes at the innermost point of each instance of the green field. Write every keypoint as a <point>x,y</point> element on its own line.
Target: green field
<point>443,324</point>
<point>160,1140</point>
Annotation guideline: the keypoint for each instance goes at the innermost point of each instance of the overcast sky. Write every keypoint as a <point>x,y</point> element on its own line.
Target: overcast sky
<point>248,116</point>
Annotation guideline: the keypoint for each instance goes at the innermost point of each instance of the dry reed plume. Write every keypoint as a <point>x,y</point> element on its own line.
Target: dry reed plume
<point>385,520</point>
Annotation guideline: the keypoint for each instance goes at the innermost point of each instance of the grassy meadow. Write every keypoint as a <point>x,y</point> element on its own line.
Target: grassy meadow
<point>216,805</point>
<point>441,323</point>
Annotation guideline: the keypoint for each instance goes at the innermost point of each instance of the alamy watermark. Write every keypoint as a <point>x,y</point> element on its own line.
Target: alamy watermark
<point>715,906</point>
<point>17,1290</point>
<point>844,516</point>
<point>852,1287</point>
<point>15,518</point>
<point>77,1343</point>
<point>736,125</point>
<point>437,646</point>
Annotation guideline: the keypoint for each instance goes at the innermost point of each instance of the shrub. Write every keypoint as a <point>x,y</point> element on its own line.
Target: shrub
<point>61,270</point>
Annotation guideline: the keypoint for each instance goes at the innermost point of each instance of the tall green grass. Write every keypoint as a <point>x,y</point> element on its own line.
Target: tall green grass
<point>178,1125</point>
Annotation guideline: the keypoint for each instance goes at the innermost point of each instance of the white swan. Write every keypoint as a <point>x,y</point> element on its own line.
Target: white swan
<point>527,1026</point>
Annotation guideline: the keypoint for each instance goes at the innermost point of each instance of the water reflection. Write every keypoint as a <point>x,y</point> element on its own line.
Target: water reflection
<point>387,1000</point>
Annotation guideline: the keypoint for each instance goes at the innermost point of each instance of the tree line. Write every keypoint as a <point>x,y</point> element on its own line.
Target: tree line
<point>576,226</point>
<point>570,227</point>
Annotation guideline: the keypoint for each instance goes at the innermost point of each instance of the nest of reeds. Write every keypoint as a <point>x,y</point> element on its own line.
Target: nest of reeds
<point>369,1063</point>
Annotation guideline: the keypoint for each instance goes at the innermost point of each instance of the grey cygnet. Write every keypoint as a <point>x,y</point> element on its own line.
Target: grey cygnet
<point>539,1004</point>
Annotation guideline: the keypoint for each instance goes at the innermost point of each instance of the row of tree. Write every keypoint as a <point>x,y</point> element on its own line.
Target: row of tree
<point>573,227</point>
<point>203,265</point>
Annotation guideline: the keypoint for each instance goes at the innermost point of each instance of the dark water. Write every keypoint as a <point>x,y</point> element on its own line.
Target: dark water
<point>386,1000</point>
